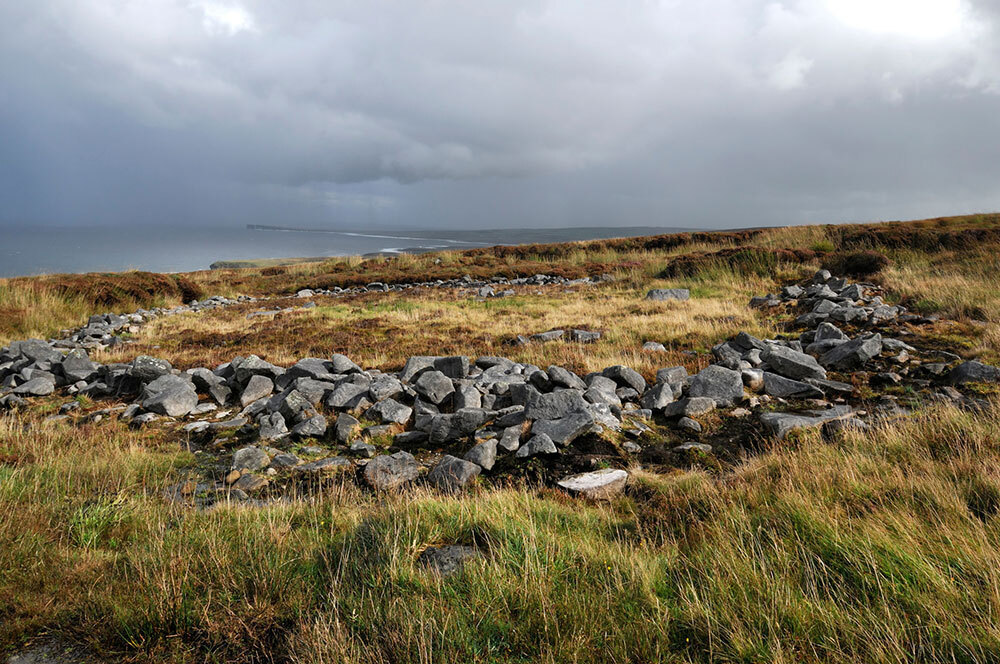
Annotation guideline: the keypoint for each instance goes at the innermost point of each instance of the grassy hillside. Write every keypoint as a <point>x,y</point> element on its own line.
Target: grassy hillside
<point>879,547</point>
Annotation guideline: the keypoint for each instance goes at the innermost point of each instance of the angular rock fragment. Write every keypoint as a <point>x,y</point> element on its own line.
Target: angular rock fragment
<point>724,386</point>
<point>391,471</point>
<point>451,473</point>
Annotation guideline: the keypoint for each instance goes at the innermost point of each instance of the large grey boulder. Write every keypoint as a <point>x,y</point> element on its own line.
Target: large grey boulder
<point>257,387</point>
<point>314,391</point>
<point>272,426</point>
<point>565,378</point>
<point>662,294</point>
<point>596,485</point>
<point>510,439</point>
<point>538,444</point>
<point>434,386</point>
<point>483,454</point>
<point>292,405</point>
<point>467,396</point>
<point>724,386</point>
<point>348,395</point>
<point>170,395</point>
<point>385,387</point>
<point>626,377</point>
<point>414,365</point>
<point>147,368</point>
<point>792,364</point>
<point>35,350</point>
<point>314,427</point>
<point>565,430</point>
<point>391,471</point>
<point>554,405</point>
<point>209,383</point>
<point>828,331</point>
<point>676,377</point>
<point>974,372</point>
<point>341,364</point>
<point>455,367</point>
<point>853,354</point>
<point>390,411</point>
<point>254,366</point>
<point>77,366</point>
<point>346,428</point>
<point>657,397</point>
<point>451,473</point>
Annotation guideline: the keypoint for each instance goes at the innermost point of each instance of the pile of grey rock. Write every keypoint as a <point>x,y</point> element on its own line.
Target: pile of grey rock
<point>106,330</point>
<point>489,288</point>
<point>575,335</point>
<point>467,417</point>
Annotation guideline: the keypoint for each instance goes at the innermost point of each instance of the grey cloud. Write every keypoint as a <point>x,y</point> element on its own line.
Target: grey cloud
<point>717,113</point>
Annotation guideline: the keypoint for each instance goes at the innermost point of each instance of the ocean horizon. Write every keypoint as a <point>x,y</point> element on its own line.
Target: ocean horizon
<point>28,251</point>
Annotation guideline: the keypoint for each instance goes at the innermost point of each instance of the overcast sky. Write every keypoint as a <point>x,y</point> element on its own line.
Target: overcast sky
<point>692,113</point>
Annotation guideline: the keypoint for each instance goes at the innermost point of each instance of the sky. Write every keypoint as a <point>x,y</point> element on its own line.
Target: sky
<point>514,113</point>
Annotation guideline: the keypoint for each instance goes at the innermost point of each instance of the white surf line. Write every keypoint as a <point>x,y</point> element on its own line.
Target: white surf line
<point>404,237</point>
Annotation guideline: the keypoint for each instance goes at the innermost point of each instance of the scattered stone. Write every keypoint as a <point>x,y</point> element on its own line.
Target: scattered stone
<point>390,411</point>
<point>688,424</point>
<point>434,386</point>
<point>325,466</point>
<point>250,483</point>
<point>694,447</point>
<point>584,336</point>
<point>781,424</point>
<point>663,294</point>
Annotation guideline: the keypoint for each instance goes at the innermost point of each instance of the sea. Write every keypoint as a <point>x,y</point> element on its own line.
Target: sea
<point>47,250</point>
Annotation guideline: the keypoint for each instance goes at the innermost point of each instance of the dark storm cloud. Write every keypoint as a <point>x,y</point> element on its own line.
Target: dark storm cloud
<point>714,113</point>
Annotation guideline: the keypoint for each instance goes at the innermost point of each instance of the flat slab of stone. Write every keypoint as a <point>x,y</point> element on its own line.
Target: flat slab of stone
<point>596,485</point>
<point>780,425</point>
<point>448,559</point>
<point>324,466</point>
<point>663,294</point>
